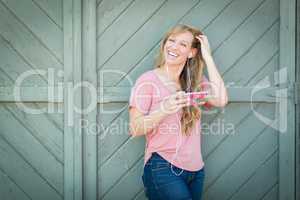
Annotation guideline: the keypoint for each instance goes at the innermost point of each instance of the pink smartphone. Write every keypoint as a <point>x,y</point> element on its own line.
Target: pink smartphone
<point>196,97</point>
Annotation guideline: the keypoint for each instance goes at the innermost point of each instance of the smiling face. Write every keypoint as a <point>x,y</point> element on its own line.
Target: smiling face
<point>178,47</point>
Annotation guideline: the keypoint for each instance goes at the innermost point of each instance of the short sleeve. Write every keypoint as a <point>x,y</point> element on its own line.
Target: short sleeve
<point>141,94</point>
<point>205,86</point>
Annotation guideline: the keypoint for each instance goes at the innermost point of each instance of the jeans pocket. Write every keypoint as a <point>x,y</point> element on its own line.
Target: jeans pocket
<point>159,166</point>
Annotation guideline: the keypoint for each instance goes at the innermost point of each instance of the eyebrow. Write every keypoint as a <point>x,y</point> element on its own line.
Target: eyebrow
<point>187,42</point>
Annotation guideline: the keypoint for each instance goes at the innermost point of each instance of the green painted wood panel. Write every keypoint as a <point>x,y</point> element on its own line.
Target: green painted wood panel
<point>88,75</point>
<point>52,9</point>
<point>31,141</point>
<point>73,168</point>
<point>106,42</point>
<point>32,150</point>
<point>24,42</point>
<point>287,59</point>
<point>298,103</point>
<point>9,189</point>
<point>245,39</point>
<point>40,25</point>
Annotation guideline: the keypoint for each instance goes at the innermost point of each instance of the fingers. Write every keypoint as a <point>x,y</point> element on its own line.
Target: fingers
<point>177,101</point>
<point>199,38</point>
<point>181,98</point>
<point>202,38</point>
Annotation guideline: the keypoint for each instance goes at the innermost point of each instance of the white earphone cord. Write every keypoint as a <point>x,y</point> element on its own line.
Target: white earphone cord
<point>179,143</point>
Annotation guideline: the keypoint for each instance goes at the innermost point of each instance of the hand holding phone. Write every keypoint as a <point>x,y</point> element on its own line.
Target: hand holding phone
<point>196,97</point>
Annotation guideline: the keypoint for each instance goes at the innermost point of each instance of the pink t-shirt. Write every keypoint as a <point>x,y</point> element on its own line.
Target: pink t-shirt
<point>166,139</point>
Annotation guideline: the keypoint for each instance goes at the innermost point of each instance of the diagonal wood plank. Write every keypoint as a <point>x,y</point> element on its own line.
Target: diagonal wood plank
<point>140,195</point>
<point>5,79</point>
<point>205,12</point>
<point>253,28</point>
<point>233,114</point>
<point>9,189</point>
<point>272,194</point>
<point>113,137</point>
<point>167,15</point>
<point>22,40</point>
<point>129,184</point>
<point>109,112</point>
<point>246,52</point>
<point>266,71</point>
<point>39,24</point>
<point>55,117</point>
<point>23,174</point>
<point>121,30</point>
<point>120,163</point>
<point>233,15</point>
<point>53,10</point>
<point>10,70</point>
<point>13,65</point>
<point>241,138</point>
<point>261,181</point>
<point>109,12</point>
<point>256,57</point>
<point>36,154</point>
<point>220,18</point>
<point>259,150</point>
<point>41,128</point>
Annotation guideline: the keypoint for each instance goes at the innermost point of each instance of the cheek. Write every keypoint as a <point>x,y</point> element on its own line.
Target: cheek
<point>185,53</point>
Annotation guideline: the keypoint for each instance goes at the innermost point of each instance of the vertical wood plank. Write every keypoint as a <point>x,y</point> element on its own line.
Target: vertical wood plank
<point>89,99</point>
<point>68,137</point>
<point>298,103</point>
<point>72,75</point>
<point>77,96</point>
<point>287,139</point>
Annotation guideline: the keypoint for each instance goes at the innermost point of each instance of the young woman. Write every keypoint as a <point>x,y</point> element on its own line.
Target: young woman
<point>161,109</point>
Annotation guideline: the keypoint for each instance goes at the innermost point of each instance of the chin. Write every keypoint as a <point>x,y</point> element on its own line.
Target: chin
<point>173,63</point>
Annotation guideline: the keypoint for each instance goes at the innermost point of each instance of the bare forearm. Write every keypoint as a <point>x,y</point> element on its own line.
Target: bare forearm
<point>144,124</point>
<point>218,87</point>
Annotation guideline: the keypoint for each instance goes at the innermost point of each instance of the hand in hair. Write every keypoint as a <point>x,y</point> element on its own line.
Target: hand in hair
<point>205,47</point>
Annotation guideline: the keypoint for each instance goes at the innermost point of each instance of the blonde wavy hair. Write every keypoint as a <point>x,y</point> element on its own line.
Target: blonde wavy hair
<point>195,64</point>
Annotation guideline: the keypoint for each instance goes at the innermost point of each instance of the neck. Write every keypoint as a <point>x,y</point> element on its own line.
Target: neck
<point>173,72</point>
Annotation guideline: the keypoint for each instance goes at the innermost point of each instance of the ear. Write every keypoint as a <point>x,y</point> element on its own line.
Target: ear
<point>193,53</point>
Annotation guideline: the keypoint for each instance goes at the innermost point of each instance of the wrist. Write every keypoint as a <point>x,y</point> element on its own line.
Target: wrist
<point>208,60</point>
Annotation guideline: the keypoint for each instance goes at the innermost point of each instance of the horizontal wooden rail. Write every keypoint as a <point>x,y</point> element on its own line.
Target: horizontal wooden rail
<point>121,94</point>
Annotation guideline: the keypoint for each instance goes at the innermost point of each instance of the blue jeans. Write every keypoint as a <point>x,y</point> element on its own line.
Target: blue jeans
<point>166,182</point>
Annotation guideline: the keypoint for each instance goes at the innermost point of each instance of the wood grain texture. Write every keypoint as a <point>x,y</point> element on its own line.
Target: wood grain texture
<point>287,120</point>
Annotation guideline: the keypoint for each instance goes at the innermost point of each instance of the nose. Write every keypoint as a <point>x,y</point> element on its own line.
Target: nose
<point>174,45</point>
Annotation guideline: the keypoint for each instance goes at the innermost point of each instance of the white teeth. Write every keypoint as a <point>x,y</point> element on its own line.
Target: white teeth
<point>172,54</point>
